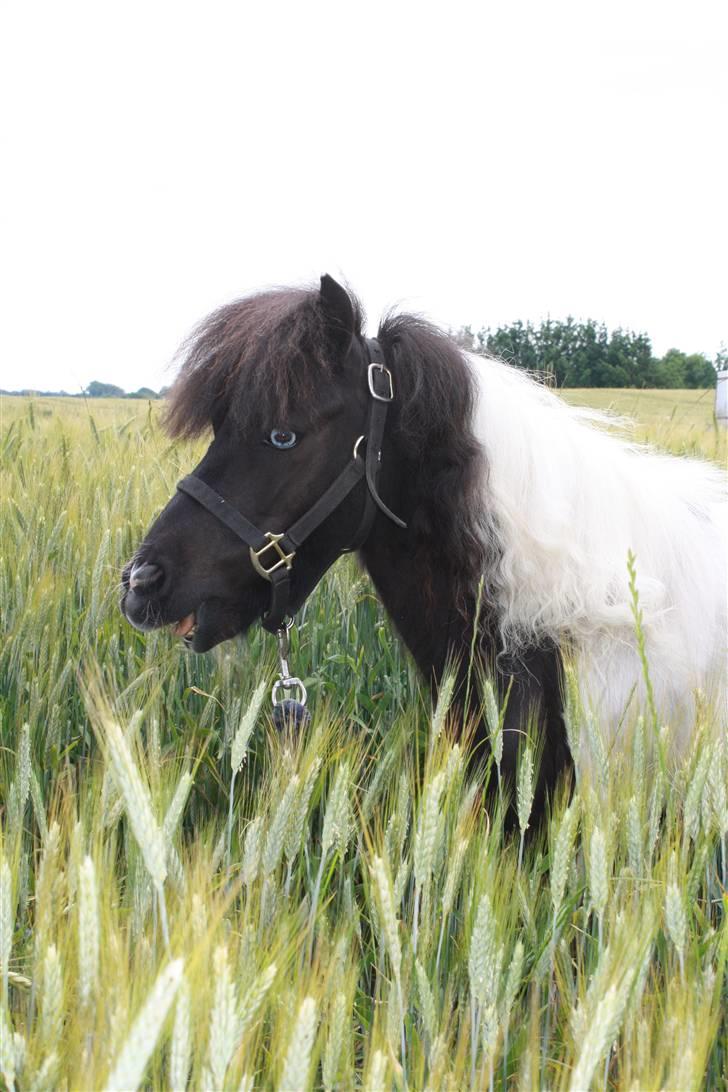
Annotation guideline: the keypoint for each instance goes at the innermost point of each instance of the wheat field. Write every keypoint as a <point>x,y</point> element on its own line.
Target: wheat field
<point>190,900</point>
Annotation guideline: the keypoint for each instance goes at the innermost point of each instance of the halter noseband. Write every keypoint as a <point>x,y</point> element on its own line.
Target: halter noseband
<point>272,554</point>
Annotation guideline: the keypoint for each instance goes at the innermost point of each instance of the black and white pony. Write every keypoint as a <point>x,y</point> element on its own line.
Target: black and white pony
<point>491,492</point>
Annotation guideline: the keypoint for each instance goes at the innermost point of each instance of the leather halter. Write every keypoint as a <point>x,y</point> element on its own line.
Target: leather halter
<point>271,554</point>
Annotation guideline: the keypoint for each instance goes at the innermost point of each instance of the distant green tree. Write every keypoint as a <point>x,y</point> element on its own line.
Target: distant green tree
<point>555,344</point>
<point>515,344</point>
<point>143,392</point>
<point>628,360</point>
<point>671,369</point>
<point>699,372</point>
<point>96,389</point>
<point>589,357</point>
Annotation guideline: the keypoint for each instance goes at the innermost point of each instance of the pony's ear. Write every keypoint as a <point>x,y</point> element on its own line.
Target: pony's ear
<point>339,313</point>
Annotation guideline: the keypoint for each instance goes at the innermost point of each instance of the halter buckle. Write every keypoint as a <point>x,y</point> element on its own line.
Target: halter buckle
<point>273,543</point>
<point>370,380</point>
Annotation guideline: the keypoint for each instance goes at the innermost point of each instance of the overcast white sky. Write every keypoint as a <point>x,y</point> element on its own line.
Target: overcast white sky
<point>479,162</point>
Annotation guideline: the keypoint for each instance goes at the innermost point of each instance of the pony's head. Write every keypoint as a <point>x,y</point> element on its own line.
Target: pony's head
<point>282,379</point>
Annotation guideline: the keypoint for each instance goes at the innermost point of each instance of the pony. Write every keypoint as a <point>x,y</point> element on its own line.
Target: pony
<point>489,514</point>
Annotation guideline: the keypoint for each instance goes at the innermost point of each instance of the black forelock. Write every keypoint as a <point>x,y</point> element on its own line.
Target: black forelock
<point>254,357</point>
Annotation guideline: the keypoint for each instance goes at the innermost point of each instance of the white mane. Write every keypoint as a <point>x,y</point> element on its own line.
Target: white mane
<point>566,501</point>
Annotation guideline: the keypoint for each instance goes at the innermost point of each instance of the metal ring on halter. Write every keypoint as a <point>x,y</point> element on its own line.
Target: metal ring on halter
<point>356,445</point>
<point>288,684</point>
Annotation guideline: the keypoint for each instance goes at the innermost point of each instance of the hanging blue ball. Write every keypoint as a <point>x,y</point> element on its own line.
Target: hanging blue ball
<point>290,715</point>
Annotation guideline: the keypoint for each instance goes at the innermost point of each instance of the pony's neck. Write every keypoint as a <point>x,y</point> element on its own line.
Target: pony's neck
<point>436,618</point>
<point>421,598</point>
<point>432,473</point>
<point>423,605</point>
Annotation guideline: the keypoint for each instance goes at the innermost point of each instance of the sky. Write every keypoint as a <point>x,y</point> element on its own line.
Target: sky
<point>475,162</point>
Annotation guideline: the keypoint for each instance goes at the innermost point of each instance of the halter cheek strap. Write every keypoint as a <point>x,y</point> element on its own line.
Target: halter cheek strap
<point>271,554</point>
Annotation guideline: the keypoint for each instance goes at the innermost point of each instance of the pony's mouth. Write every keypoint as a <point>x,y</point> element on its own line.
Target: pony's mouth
<point>202,628</point>
<point>199,623</point>
<point>210,623</point>
<point>186,628</point>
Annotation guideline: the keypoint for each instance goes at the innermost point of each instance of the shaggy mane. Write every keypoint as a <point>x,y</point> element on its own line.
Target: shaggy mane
<point>567,501</point>
<point>252,358</point>
<point>436,395</point>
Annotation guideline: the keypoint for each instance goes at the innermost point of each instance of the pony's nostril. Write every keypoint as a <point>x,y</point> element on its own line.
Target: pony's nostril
<point>144,577</point>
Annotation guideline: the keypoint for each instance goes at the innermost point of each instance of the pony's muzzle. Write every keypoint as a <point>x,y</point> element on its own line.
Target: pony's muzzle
<point>146,578</point>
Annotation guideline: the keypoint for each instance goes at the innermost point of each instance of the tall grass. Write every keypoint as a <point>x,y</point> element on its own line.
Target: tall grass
<point>357,917</point>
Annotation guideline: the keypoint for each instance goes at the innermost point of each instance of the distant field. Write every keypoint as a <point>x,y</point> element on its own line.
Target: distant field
<point>104,411</point>
<point>677,420</point>
<point>680,421</point>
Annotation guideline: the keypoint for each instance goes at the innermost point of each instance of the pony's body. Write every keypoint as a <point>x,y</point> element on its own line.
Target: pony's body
<point>565,502</point>
<point>515,515</point>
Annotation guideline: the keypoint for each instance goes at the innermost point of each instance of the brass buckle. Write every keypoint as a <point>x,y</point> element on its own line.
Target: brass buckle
<point>273,543</point>
<point>370,381</point>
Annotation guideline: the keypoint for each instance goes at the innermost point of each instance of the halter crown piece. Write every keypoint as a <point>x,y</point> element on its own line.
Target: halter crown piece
<point>273,554</point>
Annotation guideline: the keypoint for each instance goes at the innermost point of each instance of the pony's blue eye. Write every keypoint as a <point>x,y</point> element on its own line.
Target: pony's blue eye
<point>282,438</point>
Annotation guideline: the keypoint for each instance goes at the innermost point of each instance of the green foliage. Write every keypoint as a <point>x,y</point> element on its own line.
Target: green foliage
<point>585,354</point>
<point>143,392</point>
<point>372,925</point>
<point>96,389</point>
<point>689,371</point>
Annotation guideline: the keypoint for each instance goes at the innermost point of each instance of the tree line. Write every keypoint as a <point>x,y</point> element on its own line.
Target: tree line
<point>585,354</point>
<point>95,389</point>
<point>567,354</point>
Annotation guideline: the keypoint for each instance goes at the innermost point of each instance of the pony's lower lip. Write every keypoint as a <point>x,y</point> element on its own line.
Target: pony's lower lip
<point>185,627</point>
